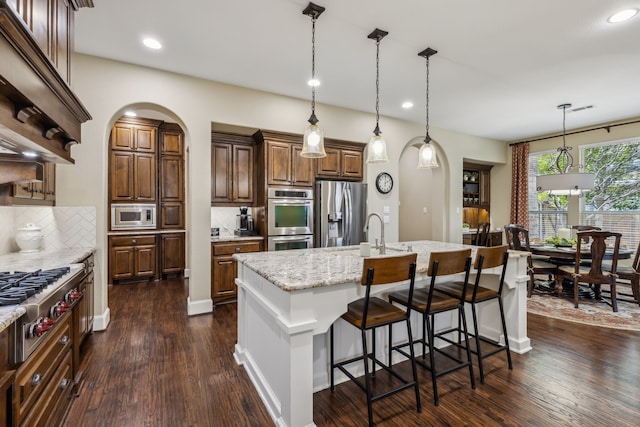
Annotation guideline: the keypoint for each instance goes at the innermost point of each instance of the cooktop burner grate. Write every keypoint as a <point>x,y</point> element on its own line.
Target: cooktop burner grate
<point>16,287</point>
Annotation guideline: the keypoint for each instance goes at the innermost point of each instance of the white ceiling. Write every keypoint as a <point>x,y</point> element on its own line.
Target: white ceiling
<point>502,66</point>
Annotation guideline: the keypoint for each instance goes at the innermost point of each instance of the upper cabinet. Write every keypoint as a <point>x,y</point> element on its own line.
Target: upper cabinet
<point>343,163</point>
<point>36,101</point>
<point>232,169</point>
<point>286,167</point>
<point>476,185</point>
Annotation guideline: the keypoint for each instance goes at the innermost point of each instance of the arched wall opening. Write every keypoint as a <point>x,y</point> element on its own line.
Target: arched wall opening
<point>423,197</point>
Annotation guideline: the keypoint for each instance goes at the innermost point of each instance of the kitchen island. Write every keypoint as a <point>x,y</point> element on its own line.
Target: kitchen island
<point>287,300</point>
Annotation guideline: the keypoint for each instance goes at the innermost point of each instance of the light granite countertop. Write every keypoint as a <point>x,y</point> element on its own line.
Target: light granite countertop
<point>309,268</point>
<point>44,260</point>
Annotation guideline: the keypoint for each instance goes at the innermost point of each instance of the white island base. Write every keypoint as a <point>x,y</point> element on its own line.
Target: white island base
<point>287,301</point>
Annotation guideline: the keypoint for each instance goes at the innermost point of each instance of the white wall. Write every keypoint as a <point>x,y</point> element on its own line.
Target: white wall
<point>107,87</point>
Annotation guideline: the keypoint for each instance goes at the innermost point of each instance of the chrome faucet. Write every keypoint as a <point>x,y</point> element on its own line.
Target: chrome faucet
<point>382,246</point>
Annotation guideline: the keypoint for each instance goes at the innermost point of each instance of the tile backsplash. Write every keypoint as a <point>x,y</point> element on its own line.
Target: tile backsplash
<point>225,219</point>
<point>62,227</point>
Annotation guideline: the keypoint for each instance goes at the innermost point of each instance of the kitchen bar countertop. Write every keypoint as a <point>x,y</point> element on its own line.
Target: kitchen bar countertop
<point>43,260</point>
<point>309,268</point>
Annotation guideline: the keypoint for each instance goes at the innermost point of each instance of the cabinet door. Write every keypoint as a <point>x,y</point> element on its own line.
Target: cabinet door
<point>172,250</point>
<point>351,162</point>
<point>121,176</point>
<point>122,137</point>
<point>144,180</point>
<point>171,179</point>
<point>145,261</point>
<point>485,188</point>
<point>243,162</point>
<point>278,163</point>
<point>37,190</point>
<point>171,142</point>
<point>302,168</point>
<point>50,181</point>
<point>172,215</point>
<point>221,177</point>
<point>329,165</point>
<point>121,260</point>
<point>223,275</point>
<point>145,139</point>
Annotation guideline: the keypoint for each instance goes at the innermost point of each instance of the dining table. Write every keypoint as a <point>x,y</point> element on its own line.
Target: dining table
<point>566,255</point>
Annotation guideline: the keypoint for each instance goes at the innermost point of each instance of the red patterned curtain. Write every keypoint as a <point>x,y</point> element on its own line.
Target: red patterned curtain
<point>519,184</point>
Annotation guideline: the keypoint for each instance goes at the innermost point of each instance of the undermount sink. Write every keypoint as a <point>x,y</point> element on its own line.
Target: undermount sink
<point>355,251</point>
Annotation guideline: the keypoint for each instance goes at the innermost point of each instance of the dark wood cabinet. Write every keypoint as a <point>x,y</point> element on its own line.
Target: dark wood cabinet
<point>171,176</point>
<point>341,163</point>
<point>132,257</point>
<point>37,193</point>
<point>476,194</point>
<point>172,253</point>
<point>132,135</point>
<point>224,268</point>
<point>172,215</point>
<point>285,166</point>
<point>232,169</point>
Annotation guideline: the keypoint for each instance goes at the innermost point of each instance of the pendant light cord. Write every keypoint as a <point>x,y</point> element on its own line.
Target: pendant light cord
<point>377,129</point>
<point>564,161</point>
<point>427,138</point>
<point>313,66</point>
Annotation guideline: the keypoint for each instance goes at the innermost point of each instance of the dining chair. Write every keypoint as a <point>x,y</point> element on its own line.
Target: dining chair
<point>593,274</point>
<point>517,237</point>
<point>486,258</point>
<point>630,274</point>
<point>371,312</point>
<point>482,234</point>
<point>431,301</point>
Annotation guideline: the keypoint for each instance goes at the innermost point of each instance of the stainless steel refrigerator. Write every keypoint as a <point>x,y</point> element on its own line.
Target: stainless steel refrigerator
<point>340,213</point>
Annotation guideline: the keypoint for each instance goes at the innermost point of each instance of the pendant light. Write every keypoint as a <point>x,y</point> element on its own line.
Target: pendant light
<point>313,140</point>
<point>377,150</point>
<point>564,182</point>
<point>427,154</point>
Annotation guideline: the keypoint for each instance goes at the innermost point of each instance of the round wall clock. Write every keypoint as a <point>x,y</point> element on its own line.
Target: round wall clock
<point>384,182</point>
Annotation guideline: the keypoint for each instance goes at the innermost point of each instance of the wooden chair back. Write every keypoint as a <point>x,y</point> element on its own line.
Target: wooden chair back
<point>517,237</point>
<point>585,228</point>
<point>449,262</point>
<point>482,234</point>
<point>387,269</point>
<point>490,257</point>
<point>597,246</point>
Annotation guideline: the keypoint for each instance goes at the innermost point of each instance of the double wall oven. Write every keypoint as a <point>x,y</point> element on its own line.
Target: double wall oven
<point>290,218</point>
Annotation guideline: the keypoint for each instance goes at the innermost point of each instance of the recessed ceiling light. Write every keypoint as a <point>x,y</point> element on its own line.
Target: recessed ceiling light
<point>314,82</point>
<point>30,154</point>
<point>151,43</point>
<point>130,113</point>
<point>623,15</point>
<point>407,104</point>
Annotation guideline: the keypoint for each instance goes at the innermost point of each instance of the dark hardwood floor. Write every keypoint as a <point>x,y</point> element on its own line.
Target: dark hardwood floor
<point>155,366</point>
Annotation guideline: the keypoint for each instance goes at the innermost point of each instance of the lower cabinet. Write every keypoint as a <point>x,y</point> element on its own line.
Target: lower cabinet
<point>224,268</point>
<point>44,382</point>
<point>145,256</point>
<point>132,257</point>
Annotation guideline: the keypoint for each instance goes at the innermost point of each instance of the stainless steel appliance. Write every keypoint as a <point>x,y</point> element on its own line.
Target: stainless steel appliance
<point>133,216</point>
<point>281,243</point>
<point>46,295</point>
<point>290,213</point>
<point>244,223</point>
<point>341,208</point>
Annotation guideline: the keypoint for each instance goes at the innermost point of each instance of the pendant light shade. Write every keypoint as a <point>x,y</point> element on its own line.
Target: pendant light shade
<point>564,182</point>
<point>427,154</point>
<point>313,140</point>
<point>377,148</point>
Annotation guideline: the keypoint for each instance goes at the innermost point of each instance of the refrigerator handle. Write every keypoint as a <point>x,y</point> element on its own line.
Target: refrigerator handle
<point>348,215</point>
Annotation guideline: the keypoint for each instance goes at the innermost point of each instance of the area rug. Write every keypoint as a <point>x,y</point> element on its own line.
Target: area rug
<point>589,311</point>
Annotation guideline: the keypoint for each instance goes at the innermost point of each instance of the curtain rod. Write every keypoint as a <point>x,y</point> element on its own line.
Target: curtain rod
<point>606,127</point>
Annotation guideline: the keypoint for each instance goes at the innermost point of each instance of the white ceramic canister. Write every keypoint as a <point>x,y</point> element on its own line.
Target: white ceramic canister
<point>29,237</point>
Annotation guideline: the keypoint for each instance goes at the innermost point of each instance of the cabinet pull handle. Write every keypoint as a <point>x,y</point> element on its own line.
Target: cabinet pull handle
<point>36,379</point>
<point>225,262</point>
<point>64,383</point>
<point>64,340</point>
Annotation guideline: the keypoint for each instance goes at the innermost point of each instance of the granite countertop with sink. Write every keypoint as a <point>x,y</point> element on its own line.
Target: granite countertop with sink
<point>43,260</point>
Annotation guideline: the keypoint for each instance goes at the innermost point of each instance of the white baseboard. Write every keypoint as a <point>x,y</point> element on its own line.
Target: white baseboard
<point>100,322</point>
<point>199,307</point>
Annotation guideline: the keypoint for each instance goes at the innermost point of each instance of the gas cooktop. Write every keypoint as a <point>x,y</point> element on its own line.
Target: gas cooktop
<point>17,287</point>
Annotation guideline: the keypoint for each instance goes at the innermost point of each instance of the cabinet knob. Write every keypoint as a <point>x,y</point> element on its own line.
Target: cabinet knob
<point>237,249</point>
<point>134,241</point>
<point>64,340</point>
<point>64,383</point>
<point>36,379</point>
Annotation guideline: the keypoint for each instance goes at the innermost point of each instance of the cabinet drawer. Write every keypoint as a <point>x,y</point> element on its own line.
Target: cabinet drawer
<point>34,375</point>
<point>235,248</point>
<point>132,240</point>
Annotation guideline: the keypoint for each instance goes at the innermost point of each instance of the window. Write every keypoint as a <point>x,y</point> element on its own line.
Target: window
<point>613,204</point>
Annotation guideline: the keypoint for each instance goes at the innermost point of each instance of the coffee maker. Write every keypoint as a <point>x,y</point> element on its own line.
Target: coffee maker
<point>244,223</point>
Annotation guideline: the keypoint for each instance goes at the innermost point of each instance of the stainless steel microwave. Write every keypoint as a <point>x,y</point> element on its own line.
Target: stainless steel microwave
<point>133,216</point>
